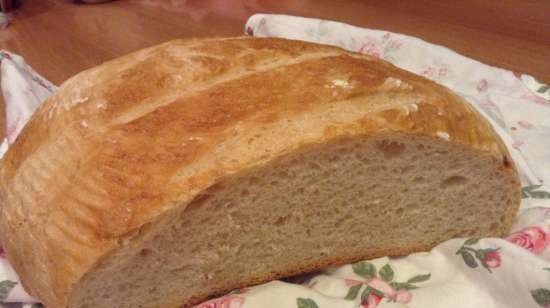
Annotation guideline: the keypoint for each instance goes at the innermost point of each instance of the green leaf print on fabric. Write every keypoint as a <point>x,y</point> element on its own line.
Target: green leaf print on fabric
<point>353,291</point>
<point>377,287</point>
<point>532,192</point>
<point>368,291</point>
<point>403,285</point>
<point>489,258</point>
<point>306,303</point>
<point>5,288</point>
<point>471,241</point>
<point>364,269</point>
<point>541,296</point>
<point>419,278</point>
<point>469,259</point>
<point>543,88</point>
<point>386,272</point>
<point>365,294</point>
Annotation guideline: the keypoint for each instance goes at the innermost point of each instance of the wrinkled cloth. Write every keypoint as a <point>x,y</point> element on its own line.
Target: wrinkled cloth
<point>463,273</point>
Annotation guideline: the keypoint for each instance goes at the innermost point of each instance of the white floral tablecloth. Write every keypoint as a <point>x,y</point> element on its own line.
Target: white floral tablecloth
<point>464,273</point>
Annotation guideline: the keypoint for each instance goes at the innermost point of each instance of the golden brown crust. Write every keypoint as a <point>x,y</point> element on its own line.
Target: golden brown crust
<point>121,143</point>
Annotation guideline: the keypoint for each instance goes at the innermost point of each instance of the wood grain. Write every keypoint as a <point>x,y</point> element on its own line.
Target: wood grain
<point>59,38</point>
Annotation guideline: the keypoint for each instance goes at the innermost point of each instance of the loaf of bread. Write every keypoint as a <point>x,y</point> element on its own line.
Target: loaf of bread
<point>188,169</point>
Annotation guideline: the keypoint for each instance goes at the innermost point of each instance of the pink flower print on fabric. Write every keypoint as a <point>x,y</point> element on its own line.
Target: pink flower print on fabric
<point>372,48</point>
<point>228,301</point>
<point>380,48</point>
<point>491,259</point>
<point>536,99</point>
<point>517,144</point>
<point>437,70</point>
<point>382,286</point>
<point>4,54</point>
<point>394,44</point>
<point>482,85</point>
<point>372,301</point>
<point>378,284</point>
<point>403,296</point>
<point>374,298</point>
<point>352,282</point>
<point>430,71</point>
<point>534,239</point>
<point>2,252</point>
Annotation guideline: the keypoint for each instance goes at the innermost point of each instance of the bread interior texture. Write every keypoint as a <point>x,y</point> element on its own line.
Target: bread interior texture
<point>321,205</point>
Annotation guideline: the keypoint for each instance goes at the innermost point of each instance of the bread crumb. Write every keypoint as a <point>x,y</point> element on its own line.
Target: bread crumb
<point>79,101</point>
<point>341,83</point>
<point>397,83</point>
<point>75,99</point>
<point>443,135</point>
<point>410,108</point>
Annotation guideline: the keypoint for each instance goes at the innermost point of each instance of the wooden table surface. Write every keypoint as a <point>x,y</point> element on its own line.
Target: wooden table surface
<point>59,38</point>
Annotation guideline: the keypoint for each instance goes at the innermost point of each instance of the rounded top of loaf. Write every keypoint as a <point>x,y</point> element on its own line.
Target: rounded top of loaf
<point>121,144</point>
